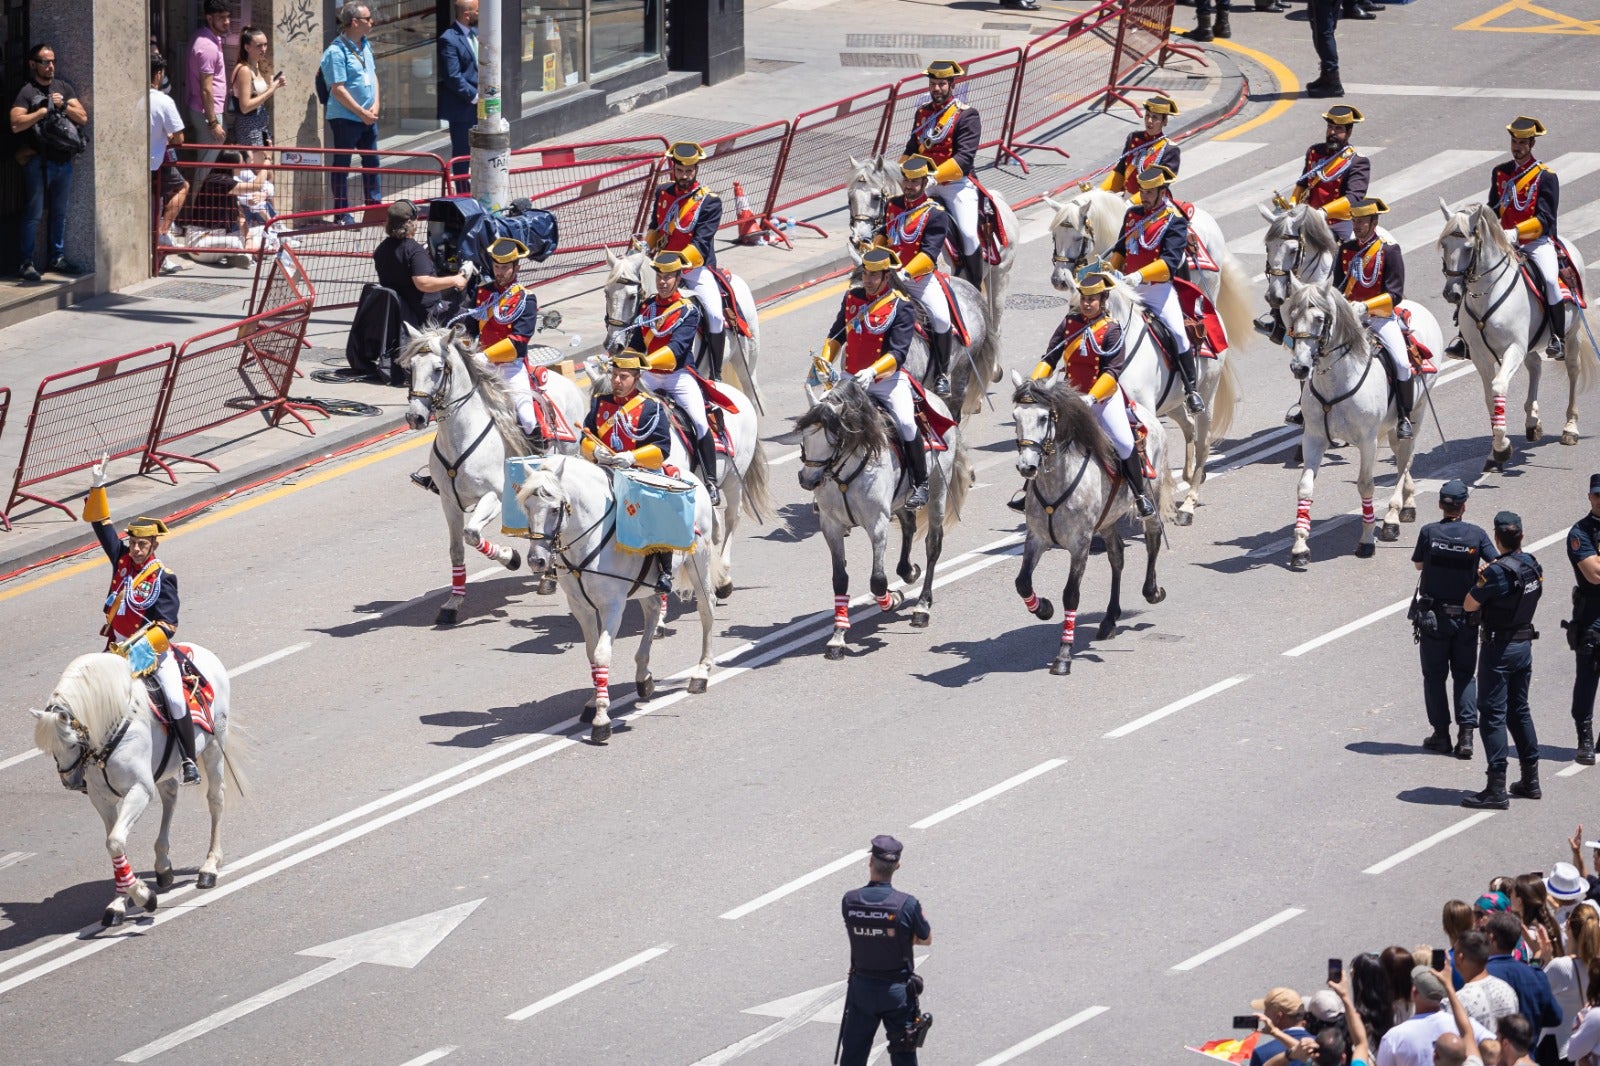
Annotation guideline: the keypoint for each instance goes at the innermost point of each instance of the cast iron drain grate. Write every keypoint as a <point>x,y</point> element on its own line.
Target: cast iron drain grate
<point>193,291</point>
<point>1027,301</point>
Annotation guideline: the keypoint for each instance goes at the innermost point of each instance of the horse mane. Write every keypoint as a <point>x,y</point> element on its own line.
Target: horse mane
<point>1311,226</point>
<point>1489,229</point>
<point>1106,211</point>
<point>1076,424</point>
<point>848,415</point>
<point>98,691</point>
<point>1347,329</point>
<point>544,484</point>
<point>425,340</point>
<point>889,178</point>
<point>1122,301</point>
<point>627,269</point>
<point>496,400</point>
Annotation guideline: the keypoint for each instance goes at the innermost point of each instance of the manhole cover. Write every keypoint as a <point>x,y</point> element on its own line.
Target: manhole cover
<point>768,66</point>
<point>1014,27</point>
<point>981,42</point>
<point>909,60</point>
<point>194,291</point>
<point>1027,301</point>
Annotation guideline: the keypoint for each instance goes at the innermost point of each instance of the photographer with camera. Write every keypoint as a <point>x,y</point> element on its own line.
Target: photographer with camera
<point>1583,631</point>
<point>884,925</point>
<point>1449,553</point>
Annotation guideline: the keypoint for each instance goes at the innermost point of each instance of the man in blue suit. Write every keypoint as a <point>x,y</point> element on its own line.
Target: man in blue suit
<point>458,83</point>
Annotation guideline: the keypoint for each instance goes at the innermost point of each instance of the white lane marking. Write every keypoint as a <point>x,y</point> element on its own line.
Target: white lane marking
<point>1484,91</point>
<point>11,858</point>
<point>1176,706</point>
<point>1572,771</point>
<point>786,457</point>
<point>989,793</point>
<point>1338,521</point>
<point>430,1056</point>
<point>1393,608</point>
<point>806,1010</point>
<point>1423,845</point>
<point>1575,225</point>
<point>631,963</point>
<point>796,885</point>
<point>1196,961</point>
<point>15,759</point>
<point>1259,188</point>
<point>282,653</point>
<point>1424,231</point>
<point>1212,154</point>
<point>1045,1035</point>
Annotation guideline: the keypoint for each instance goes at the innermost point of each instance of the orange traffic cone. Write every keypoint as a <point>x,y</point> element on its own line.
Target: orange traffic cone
<point>748,223</point>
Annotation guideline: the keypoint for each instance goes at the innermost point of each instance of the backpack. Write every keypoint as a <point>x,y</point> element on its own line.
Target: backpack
<point>322,88</point>
<point>531,225</point>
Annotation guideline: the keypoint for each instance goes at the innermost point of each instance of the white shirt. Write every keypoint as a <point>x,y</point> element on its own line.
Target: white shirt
<point>1585,1038</point>
<point>1411,1043</point>
<point>1487,1000</point>
<point>164,122</point>
<point>1567,980</point>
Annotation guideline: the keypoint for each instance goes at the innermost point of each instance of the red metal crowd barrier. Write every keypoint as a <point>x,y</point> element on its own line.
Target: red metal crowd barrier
<point>749,157</point>
<point>239,369</point>
<point>280,279</point>
<point>80,414</point>
<point>816,158</point>
<point>1063,70</point>
<point>5,406</point>
<point>331,262</point>
<point>989,85</point>
<point>1142,33</point>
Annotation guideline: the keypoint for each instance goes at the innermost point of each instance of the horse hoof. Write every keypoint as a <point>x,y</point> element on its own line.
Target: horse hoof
<point>1389,531</point>
<point>697,685</point>
<point>1534,433</point>
<point>1569,437</point>
<point>1155,597</point>
<point>1061,667</point>
<point>833,652</point>
<point>1183,518</point>
<point>912,574</point>
<point>205,880</point>
<point>163,879</point>
<point>547,585</point>
<point>1299,560</point>
<point>447,616</point>
<point>919,619</point>
<point>724,590</point>
<point>587,716</point>
<point>1366,551</point>
<point>516,560</point>
<point>1046,611</point>
<point>661,632</point>
<point>1408,514</point>
<point>600,734</point>
<point>1106,629</point>
<point>1490,466</point>
<point>1503,457</point>
<point>111,917</point>
<point>647,688</point>
<point>152,903</point>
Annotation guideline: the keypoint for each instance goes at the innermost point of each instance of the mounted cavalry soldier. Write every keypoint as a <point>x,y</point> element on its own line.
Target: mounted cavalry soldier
<point>1090,343</point>
<point>1145,149</point>
<point>1371,273</point>
<point>666,329</point>
<point>504,317</point>
<point>684,216</point>
<point>629,428</point>
<point>915,228</point>
<point>947,132</point>
<point>874,328</point>
<point>1526,195</point>
<point>1150,251</point>
<point>141,609</point>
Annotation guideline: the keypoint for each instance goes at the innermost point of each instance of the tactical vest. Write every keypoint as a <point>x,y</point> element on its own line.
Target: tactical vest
<point>1142,236</point>
<point>1511,618</point>
<point>1082,351</point>
<point>866,322</point>
<point>935,130</point>
<point>1363,270</point>
<point>879,945</point>
<point>904,227</point>
<point>1519,194</point>
<point>1586,597</point>
<point>1450,565</point>
<point>1325,183</point>
<point>674,216</point>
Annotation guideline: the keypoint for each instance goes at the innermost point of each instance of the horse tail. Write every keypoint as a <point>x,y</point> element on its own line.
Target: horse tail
<point>1225,399</point>
<point>1586,361</point>
<point>961,478</point>
<point>1233,304</point>
<point>757,500</point>
<point>236,749</point>
<point>1167,492</point>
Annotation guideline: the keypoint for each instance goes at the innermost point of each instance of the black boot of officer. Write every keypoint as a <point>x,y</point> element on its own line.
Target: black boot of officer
<point>706,447</point>
<point>1493,797</point>
<point>1405,399</point>
<point>664,573</point>
<point>1585,755</point>
<point>716,348</point>
<point>1133,471</point>
<point>1187,371</point>
<point>425,481</point>
<point>1557,348</point>
<point>917,468</point>
<point>1223,28</point>
<point>939,345</point>
<point>183,729</point>
<point>1203,22</point>
<point>1528,786</point>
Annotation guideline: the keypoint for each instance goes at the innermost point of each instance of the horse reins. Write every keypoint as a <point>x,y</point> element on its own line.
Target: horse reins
<point>442,409</point>
<point>1047,448</point>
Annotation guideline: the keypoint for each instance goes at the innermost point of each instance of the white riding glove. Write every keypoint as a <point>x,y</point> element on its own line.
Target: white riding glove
<point>1511,235</point>
<point>1361,309</point>
<point>866,377</point>
<point>469,270</point>
<point>623,460</point>
<point>101,471</point>
<point>603,455</point>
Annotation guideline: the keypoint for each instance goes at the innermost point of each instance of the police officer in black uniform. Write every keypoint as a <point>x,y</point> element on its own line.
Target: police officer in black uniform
<point>1507,593</point>
<point>884,924</point>
<point>1449,552</point>
<point>1583,631</point>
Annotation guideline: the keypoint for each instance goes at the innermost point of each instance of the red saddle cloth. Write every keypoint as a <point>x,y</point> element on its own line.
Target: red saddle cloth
<point>957,323</point>
<point>992,235</point>
<point>1421,357</point>
<point>553,425</point>
<point>730,303</point>
<point>1567,277</point>
<point>930,421</point>
<point>196,690</point>
<point>1198,312</point>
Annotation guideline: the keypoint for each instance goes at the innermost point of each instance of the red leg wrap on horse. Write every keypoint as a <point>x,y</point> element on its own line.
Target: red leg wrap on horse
<point>458,581</point>
<point>1367,517</point>
<point>1031,603</point>
<point>602,682</point>
<point>486,548</point>
<point>1302,517</point>
<point>1069,626</point>
<point>122,872</point>
<point>841,612</point>
<point>1498,419</point>
<point>885,601</point>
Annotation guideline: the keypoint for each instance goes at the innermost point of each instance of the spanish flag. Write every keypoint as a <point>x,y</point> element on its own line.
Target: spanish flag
<point>1233,1049</point>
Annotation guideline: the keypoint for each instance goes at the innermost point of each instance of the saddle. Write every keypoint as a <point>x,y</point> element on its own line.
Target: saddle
<point>958,325</point>
<point>1199,257</point>
<point>1421,358</point>
<point>992,235</point>
<point>1200,321</point>
<point>716,404</point>
<point>196,690</point>
<point>730,303</point>
<point>553,425</point>
<point>1567,277</point>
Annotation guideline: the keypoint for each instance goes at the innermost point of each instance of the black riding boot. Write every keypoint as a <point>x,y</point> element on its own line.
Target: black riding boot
<point>1557,348</point>
<point>1493,797</point>
<point>1133,471</point>
<point>706,447</point>
<point>664,573</point>
<point>1405,397</point>
<point>1585,756</point>
<point>1528,787</point>
<point>1186,370</point>
<point>716,348</point>
<point>1457,349</point>
<point>939,362</point>
<point>972,265</point>
<point>1202,29</point>
<point>1223,28</point>
<point>184,728</point>
<point>917,467</point>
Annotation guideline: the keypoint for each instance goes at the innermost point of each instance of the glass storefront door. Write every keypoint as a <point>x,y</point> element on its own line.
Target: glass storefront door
<point>403,36</point>
<point>553,48</point>
<point>622,32</point>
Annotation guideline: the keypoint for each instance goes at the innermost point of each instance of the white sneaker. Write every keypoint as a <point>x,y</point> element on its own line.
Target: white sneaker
<point>171,265</point>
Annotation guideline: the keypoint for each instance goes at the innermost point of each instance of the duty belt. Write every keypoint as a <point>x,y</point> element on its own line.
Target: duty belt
<point>1451,610</point>
<point>1505,636</point>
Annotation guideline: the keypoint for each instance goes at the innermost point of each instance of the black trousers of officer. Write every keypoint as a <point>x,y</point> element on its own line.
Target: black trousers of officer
<point>1505,667</point>
<point>1452,654</point>
<point>1583,688</point>
<point>868,1002</point>
<point>1324,16</point>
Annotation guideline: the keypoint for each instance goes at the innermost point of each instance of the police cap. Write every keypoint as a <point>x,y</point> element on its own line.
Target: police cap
<point>1594,484</point>
<point>1507,522</point>
<point>886,849</point>
<point>1453,491</point>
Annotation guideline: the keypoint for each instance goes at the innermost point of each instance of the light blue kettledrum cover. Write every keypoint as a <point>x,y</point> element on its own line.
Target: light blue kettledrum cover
<point>513,519</point>
<point>655,513</point>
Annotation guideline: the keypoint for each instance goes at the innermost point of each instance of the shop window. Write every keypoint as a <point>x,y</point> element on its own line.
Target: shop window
<point>402,37</point>
<point>553,47</point>
<point>622,32</point>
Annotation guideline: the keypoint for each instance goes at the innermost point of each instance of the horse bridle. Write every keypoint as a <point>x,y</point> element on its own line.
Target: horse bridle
<point>877,204</point>
<point>437,403</point>
<point>1048,445</point>
<point>87,752</point>
<point>1322,338</point>
<point>1085,236</point>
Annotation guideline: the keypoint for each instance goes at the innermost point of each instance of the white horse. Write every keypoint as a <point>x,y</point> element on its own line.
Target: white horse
<point>104,738</point>
<point>744,475</point>
<point>1087,224</point>
<point>1073,494</point>
<point>477,430</point>
<point>1346,395</point>
<point>625,290</point>
<point>571,512</point>
<point>973,367</point>
<point>857,479</point>
<point>1506,325</point>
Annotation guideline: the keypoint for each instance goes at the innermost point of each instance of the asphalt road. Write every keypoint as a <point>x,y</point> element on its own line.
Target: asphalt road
<point>1242,758</point>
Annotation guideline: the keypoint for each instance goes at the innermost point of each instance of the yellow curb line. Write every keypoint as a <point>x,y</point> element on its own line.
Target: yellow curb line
<point>1287,83</point>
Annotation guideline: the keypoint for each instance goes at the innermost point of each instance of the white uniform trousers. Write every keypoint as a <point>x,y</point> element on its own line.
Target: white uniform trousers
<point>1543,252</point>
<point>170,678</point>
<point>682,387</point>
<point>927,291</point>
<point>1393,339</point>
<point>895,392</point>
<point>1162,298</point>
<point>515,375</point>
<point>960,198</point>
<point>1113,414</point>
<point>703,284</point>
<point>1342,229</point>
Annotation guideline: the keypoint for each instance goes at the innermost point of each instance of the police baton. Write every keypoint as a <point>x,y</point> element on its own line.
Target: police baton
<point>844,1019</point>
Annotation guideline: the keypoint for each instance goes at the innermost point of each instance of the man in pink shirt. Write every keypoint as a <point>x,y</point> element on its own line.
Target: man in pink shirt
<point>208,83</point>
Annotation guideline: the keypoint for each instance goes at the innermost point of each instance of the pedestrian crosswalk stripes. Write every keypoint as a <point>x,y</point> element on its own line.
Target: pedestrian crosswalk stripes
<point>1576,225</point>
<point>1257,189</point>
<point>1209,155</point>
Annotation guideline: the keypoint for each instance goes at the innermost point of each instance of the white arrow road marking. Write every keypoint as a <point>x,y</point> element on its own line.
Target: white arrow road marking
<point>588,982</point>
<point>403,944</point>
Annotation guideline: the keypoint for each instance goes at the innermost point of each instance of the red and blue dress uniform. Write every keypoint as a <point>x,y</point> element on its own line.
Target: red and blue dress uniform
<point>666,335</point>
<point>680,219</point>
<point>1526,198</point>
<point>1332,178</point>
<point>1095,356</point>
<point>1374,275</point>
<point>512,313</point>
<point>949,134</point>
<point>914,228</point>
<point>1140,152</point>
<point>627,425</point>
<point>138,595</point>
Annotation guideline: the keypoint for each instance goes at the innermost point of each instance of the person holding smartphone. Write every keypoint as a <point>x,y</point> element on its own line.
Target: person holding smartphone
<point>1330,1047</point>
<point>250,91</point>
<point>1281,1013</point>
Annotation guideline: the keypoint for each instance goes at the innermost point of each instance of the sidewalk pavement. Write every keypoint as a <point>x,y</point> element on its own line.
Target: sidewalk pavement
<point>816,70</point>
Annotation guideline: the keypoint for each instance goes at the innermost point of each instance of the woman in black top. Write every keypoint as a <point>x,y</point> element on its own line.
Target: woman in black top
<point>404,266</point>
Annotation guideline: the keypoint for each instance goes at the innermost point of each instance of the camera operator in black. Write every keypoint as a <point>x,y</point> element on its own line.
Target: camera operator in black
<point>1449,552</point>
<point>1583,632</point>
<point>884,924</point>
<point>1507,593</point>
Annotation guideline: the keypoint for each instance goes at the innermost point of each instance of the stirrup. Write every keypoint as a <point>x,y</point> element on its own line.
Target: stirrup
<point>918,498</point>
<point>425,481</point>
<point>1556,350</point>
<point>713,492</point>
<point>1457,349</point>
<point>191,772</point>
<point>1402,428</point>
<point>1193,402</point>
<point>1294,416</point>
<point>1143,505</point>
<point>941,386</point>
<point>1019,501</point>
